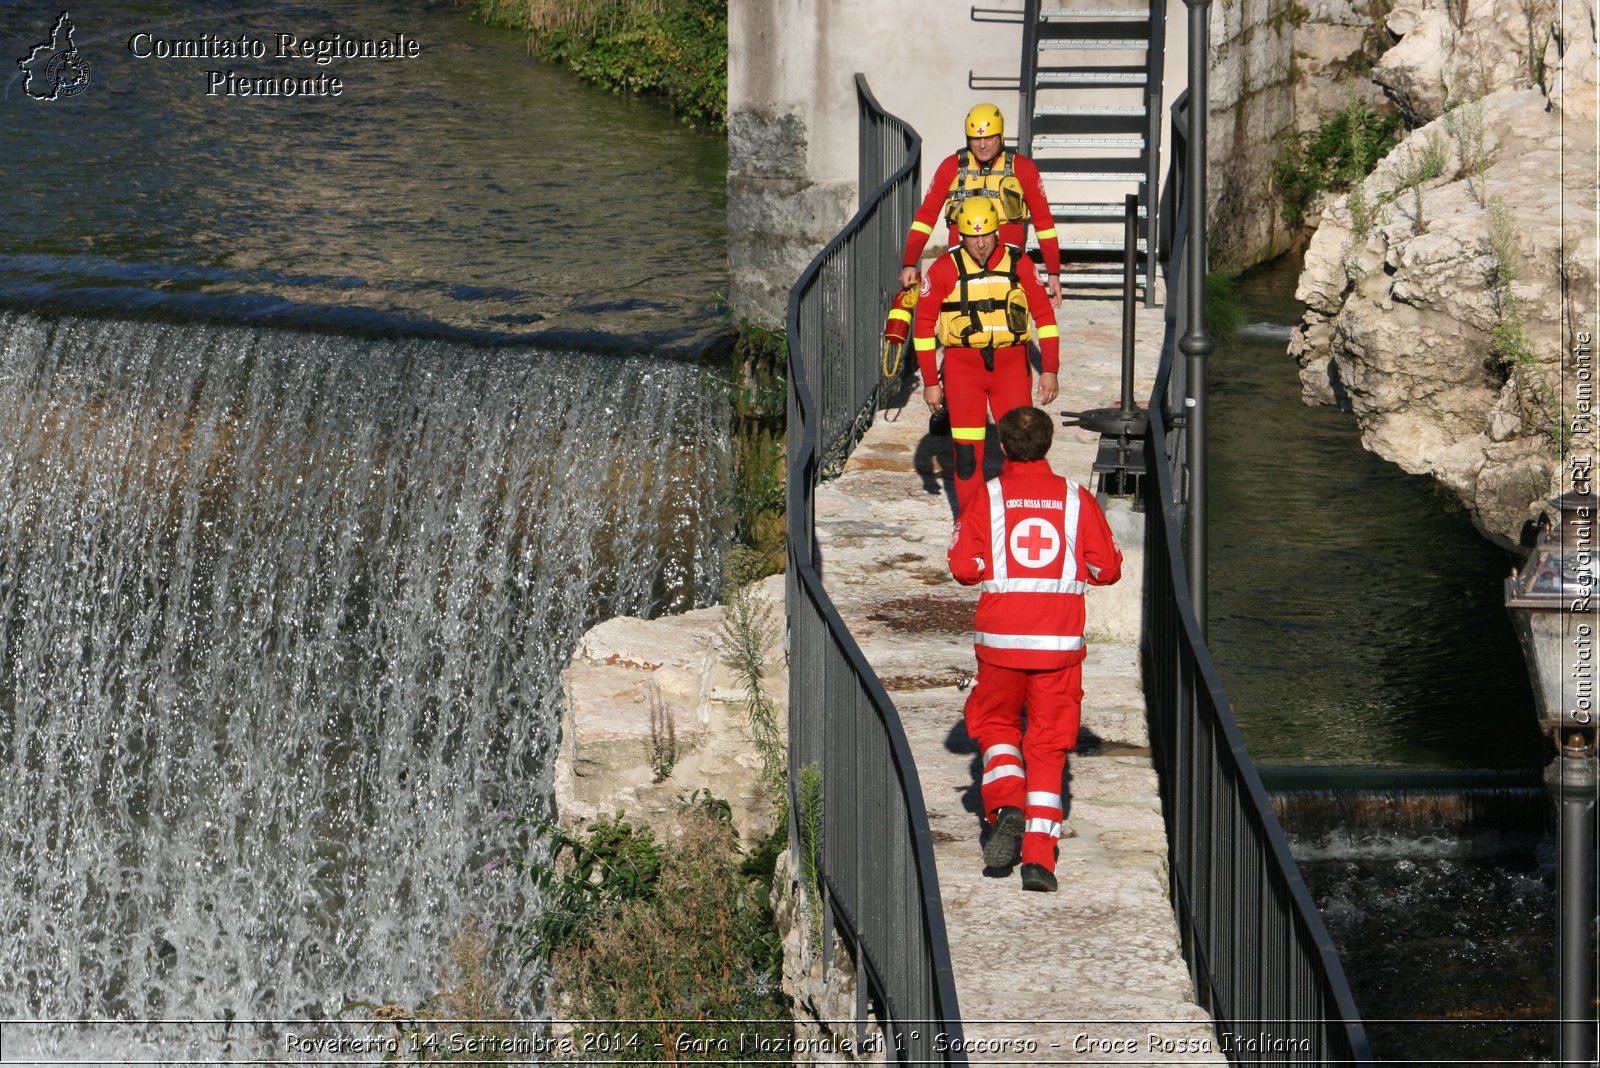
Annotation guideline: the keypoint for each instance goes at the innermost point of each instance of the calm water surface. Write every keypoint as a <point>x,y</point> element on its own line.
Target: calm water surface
<point>467,192</point>
<point>1356,613</point>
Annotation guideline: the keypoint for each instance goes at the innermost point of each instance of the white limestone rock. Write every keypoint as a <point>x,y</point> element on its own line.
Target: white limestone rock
<point>654,711</point>
<point>1401,319</point>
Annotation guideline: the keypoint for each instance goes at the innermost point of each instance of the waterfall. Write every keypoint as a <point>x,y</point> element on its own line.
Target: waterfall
<point>1382,813</point>
<point>284,619</point>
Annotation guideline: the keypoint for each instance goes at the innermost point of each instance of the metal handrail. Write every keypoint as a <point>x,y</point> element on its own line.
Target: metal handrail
<point>1259,953</point>
<point>880,885</point>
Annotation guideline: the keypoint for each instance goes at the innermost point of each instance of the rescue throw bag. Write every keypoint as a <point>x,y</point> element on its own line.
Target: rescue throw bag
<point>897,328</point>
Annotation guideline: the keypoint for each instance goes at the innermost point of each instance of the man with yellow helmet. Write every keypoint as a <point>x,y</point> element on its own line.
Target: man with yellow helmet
<point>985,169</point>
<point>977,302</point>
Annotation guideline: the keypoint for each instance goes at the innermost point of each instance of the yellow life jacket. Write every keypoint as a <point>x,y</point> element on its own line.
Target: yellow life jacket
<point>987,309</point>
<point>998,181</point>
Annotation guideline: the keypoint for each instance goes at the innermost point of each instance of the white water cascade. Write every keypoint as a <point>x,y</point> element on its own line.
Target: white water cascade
<point>284,618</point>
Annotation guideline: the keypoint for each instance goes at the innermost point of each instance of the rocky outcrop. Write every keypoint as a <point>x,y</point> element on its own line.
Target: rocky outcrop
<point>1446,295</point>
<point>655,710</point>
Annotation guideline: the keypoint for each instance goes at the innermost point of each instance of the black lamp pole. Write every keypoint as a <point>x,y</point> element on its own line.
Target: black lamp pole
<point>1552,602</point>
<point>1572,785</point>
<point>1196,343</point>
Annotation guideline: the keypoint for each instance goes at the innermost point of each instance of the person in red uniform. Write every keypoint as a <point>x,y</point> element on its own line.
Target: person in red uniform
<point>983,168</point>
<point>977,301</point>
<point>1036,542</point>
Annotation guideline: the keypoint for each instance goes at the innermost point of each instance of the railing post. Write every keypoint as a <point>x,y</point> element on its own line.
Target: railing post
<point>1196,343</point>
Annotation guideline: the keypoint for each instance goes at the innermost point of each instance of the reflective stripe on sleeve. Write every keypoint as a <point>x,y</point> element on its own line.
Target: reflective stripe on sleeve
<point>1049,331</point>
<point>1045,235</point>
<point>998,547</point>
<point>922,228</point>
<point>924,344</point>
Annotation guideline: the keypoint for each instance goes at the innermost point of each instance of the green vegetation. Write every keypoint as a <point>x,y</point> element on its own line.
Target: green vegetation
<point>1334,157</point>
<point>1224,313</point>
<point>748,628</point>
<point>677,938</point>
<point>1538,400</point>
<point>756,378</point>
<point>674,49</point>
<point>810,831</point>
<point>1465,124</point>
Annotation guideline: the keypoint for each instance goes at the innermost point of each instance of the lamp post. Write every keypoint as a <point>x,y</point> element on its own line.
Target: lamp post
<point>1552,605</point>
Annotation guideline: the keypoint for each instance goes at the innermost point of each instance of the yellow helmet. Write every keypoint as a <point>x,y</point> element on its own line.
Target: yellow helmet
<point>977,216</point>
<point>985,120</point>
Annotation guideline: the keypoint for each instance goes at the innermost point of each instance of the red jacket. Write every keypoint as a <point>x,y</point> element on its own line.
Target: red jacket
<point>928,216</point>
<point>1054,543</point>
<point>940,282</point>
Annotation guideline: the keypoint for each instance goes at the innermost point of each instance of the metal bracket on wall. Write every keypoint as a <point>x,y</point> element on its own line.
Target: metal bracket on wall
<point>990,81</point>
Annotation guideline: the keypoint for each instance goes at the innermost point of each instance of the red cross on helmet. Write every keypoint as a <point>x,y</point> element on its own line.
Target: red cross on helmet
<point>985,120</point>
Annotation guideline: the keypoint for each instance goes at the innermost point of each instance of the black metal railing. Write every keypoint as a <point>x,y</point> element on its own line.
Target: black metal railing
<point>1258,951</point>
<point>880,886</point>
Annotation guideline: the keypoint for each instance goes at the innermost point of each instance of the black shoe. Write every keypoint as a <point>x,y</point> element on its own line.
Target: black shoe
<point>1038,877</point>
<point>1005,839</point>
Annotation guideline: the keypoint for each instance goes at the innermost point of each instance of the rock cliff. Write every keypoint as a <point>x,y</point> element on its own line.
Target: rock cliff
<point>1451,296</point>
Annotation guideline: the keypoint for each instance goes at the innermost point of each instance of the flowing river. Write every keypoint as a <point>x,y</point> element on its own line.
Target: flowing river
<point>1358,624</point>
<point>330,425</point>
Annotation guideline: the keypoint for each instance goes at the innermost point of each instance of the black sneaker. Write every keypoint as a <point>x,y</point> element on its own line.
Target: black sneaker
<point>1003,847</point>
<point>1038,877</point>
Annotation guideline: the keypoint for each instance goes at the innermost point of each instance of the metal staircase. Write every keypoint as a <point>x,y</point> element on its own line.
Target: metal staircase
<point>1090,118</point>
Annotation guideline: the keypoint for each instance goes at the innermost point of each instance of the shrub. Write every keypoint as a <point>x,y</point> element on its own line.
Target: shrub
<point>689,957</point>
<point>675,49</point>
<point>1334,157</point>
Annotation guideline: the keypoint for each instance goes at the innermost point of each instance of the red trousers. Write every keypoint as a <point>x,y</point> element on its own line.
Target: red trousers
<point>1025,770</point>
<point>971,391</point>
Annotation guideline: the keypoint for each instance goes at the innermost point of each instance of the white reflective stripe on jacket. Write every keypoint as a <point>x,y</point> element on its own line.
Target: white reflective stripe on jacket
<point>1001,581</point>
<point>1048,643</point>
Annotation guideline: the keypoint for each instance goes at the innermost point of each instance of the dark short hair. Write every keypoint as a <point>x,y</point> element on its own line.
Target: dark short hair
<point>1025,434</point>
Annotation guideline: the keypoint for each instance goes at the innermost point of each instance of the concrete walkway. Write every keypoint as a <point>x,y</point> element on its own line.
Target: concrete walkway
<point>1092,974</point>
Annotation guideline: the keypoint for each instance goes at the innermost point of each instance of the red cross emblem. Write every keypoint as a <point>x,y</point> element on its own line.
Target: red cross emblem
<point>1034,543</point>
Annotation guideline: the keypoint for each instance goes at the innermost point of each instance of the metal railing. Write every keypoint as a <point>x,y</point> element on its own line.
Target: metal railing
<point>1259,954</point>
<point>880,888</point>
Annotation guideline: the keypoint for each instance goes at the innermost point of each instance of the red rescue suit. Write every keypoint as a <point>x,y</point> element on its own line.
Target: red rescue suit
<point>960,171</point>
<point>1036,542</point>
<point>978,380</point>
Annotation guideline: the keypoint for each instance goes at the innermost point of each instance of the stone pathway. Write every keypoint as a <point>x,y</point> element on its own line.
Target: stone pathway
<point>1092,974</point>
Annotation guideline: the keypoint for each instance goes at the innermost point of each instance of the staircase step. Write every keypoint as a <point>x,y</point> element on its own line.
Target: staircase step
<point>1098,251</point>
<point>1067,15</point>
<point>1130,44</point>
<point>1090,212</point>
<point>1133,144</point>
<point>1096,77</point>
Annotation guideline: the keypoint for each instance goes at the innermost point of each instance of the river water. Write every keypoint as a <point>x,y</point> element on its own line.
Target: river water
<point>330,424</point>
<point>1358,625</point>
